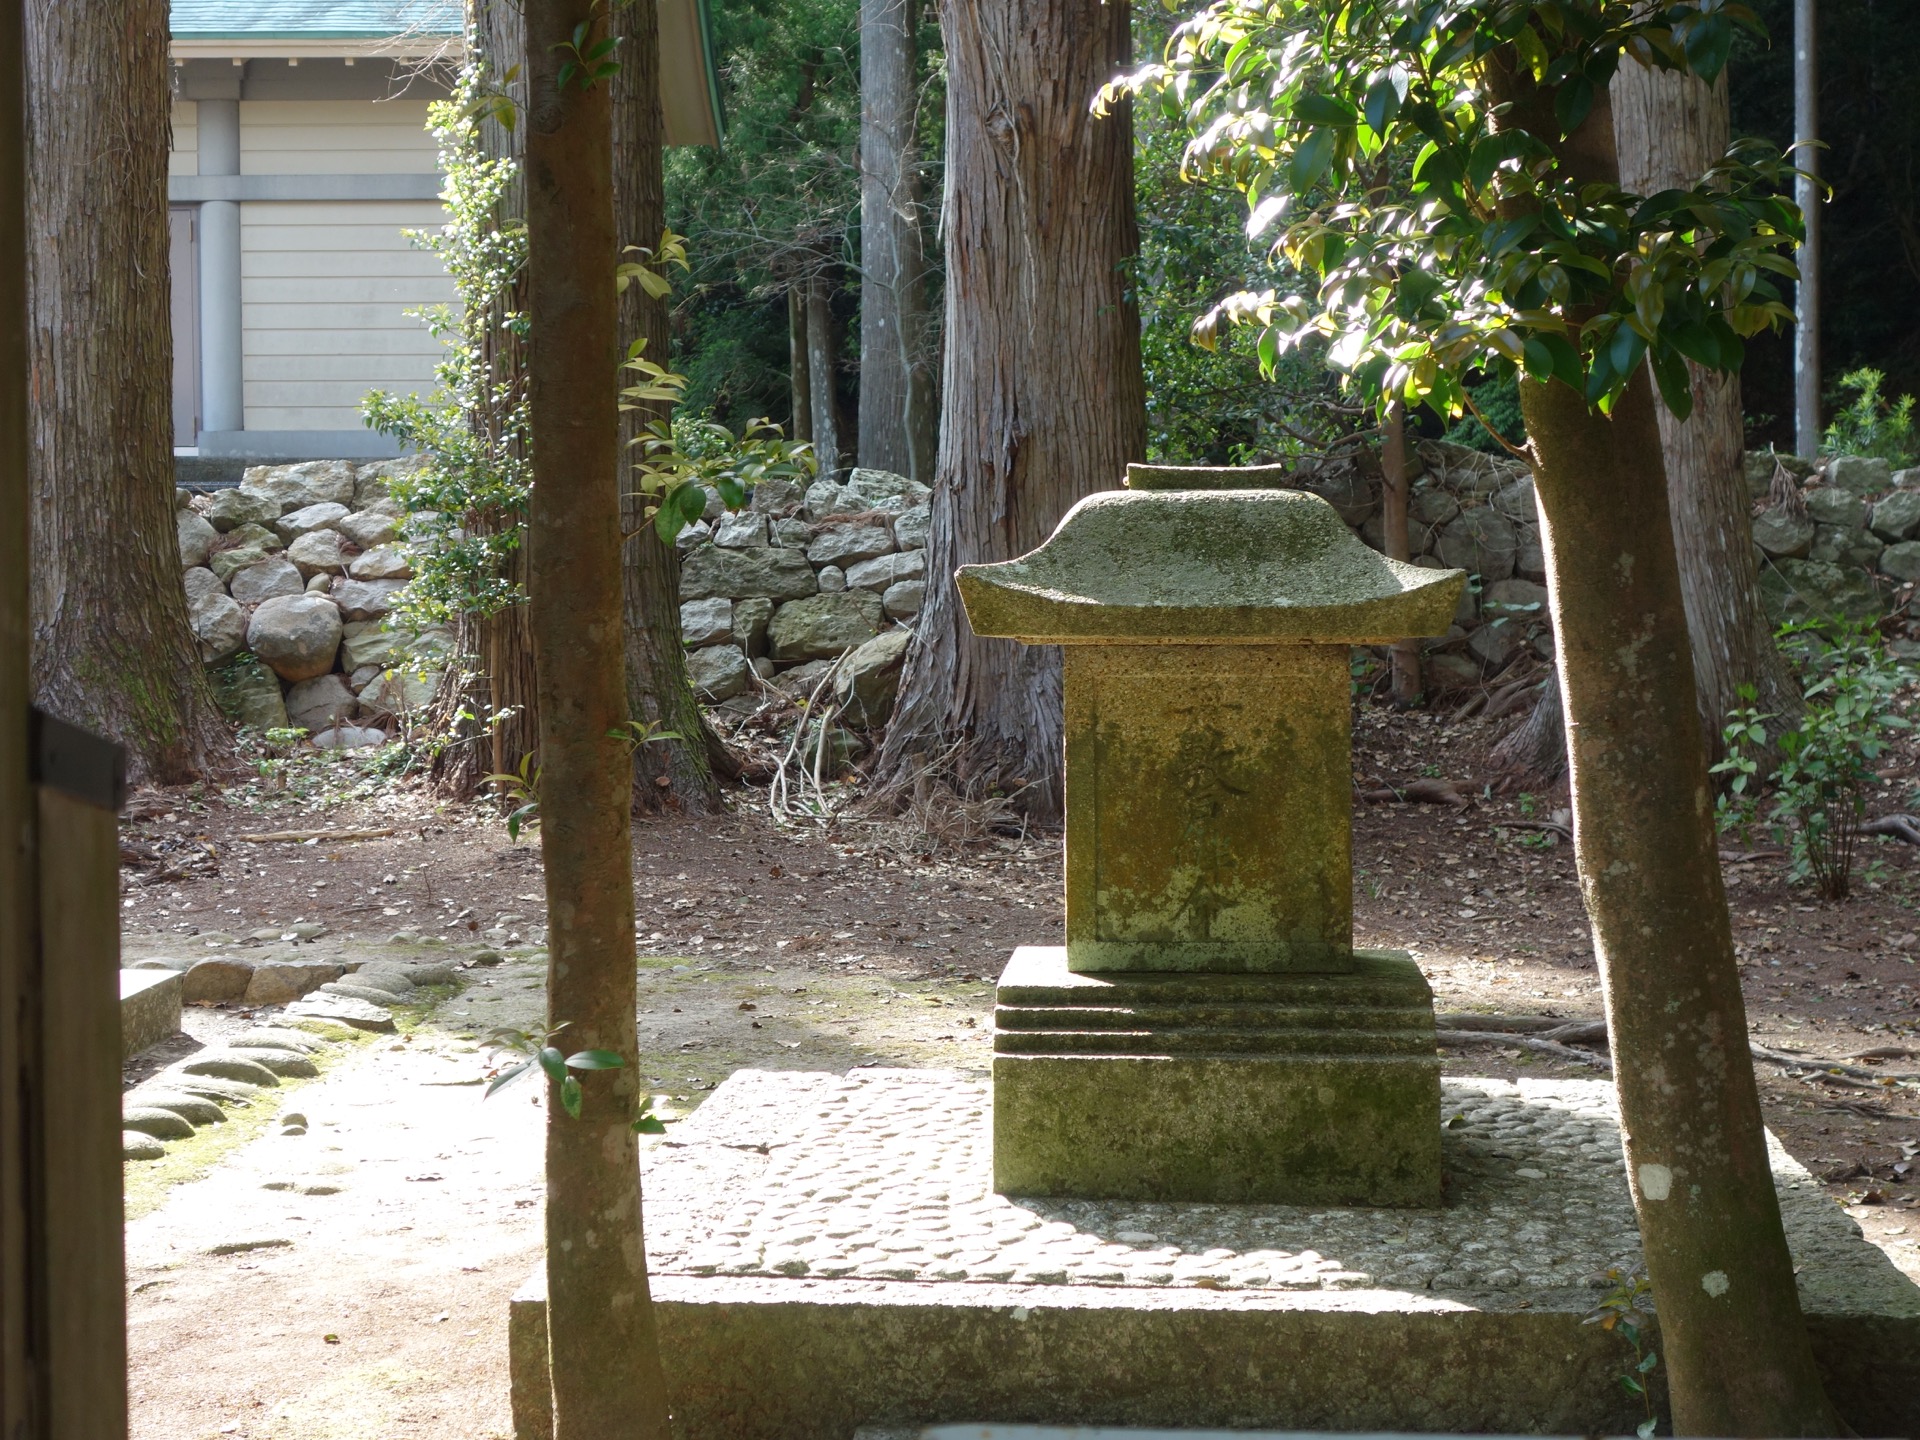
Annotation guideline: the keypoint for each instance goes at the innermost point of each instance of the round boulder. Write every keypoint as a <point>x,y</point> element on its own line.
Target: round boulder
<point>296,635</point>
<point>215,982</point>
<point>135,1146</point>
<point>266,579</point>
<point>160,1124</point>
<point>197,538</point>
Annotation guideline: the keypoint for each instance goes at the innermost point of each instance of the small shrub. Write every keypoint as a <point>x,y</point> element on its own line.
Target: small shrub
<point>1870,424</point>
<point>1826,761</point>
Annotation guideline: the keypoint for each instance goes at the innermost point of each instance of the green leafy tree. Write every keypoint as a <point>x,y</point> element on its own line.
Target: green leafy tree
<point>1513,250</point>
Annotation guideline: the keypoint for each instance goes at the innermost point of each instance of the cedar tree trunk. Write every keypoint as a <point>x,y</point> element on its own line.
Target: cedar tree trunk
<point>1670,129</point>
<point>896,386</point>
<point>658,691</point>
<point>822,366</point>
<point>799,386</point>
<point>493,709</point>
<point>1042,400</point>
<point>111,649</point>
<point>1732,1336</point>
<point>605,1356</point>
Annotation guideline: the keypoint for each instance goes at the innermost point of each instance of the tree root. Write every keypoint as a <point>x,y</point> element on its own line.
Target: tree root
<point>1904,828</point>
<point>1552,1035</point>
<point>1431,792</point>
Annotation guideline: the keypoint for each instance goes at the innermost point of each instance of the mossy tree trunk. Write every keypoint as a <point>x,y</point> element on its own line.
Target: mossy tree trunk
<point>605,1356</point>
<point>111,647</point>
<point>493,712</point>
<point>1732,1335</point>
<point>1669,130</point>
<point>658,691</point>
<point>1042,398</point>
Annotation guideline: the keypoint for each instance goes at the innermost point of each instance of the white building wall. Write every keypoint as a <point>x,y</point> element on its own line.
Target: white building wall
<point>325,287</point>
<point>335,137</point>
<point>184,158</point>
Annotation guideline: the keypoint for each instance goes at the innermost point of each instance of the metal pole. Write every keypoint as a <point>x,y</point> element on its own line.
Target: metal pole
<point>1806,130</point>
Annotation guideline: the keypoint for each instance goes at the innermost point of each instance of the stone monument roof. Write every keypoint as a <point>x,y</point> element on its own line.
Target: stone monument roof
<point>1214,565</point>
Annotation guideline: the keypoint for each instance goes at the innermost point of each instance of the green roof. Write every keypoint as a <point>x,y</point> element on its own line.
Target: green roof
<point>312,19</point>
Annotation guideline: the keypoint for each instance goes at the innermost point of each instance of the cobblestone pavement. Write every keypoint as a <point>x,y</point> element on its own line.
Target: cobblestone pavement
<point>885,1175</point>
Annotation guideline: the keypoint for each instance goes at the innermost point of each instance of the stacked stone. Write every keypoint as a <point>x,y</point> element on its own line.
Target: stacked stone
<point>289,578</point>
<point>1853,541</point>
<point>1850,542</point>
<point>806,581</point>
<point>1467,511</point>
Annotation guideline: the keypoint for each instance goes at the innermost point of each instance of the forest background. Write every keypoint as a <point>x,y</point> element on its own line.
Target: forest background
<point>781,201</point>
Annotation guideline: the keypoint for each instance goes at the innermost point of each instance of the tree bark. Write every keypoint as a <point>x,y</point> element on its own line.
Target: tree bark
<point>1042,399</point>
<point>799,382</point>
<point>1732,1336</point>
<point>896,385</point>
<point>658,691</point>
<point>822,366</point>
<point>1396,483</point>
<point>493,711</point>
<point>607,1379</point>
<point>111,647</point>
<point>1669,130</point>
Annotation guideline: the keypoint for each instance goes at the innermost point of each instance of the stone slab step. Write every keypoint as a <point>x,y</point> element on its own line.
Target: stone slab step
<point>1198,1042</point>
<point>1038,975</point>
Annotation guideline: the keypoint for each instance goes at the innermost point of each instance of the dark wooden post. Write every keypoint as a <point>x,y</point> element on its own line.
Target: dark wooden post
<point>63,1347</point>
<point>18,1413</point>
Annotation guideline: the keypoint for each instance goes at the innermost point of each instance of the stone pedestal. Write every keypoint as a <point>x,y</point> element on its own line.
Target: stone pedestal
<point>1208,1032</point>
<point>1283,1089</point>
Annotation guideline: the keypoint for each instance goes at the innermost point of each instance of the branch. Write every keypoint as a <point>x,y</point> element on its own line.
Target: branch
<point>1904,828</point>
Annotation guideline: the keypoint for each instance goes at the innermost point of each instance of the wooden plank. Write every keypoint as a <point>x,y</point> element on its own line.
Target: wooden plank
<point>305,214</point>
<point>398,262</point>
<point>319,315</point>
<point>406,345</point>
<point>78,1092</point>
<point>398,292</point>
<point>20,1379</point>
<point>392,368</point>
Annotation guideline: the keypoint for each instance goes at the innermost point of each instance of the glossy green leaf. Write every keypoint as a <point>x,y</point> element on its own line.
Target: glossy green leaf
<point>595,1060</point>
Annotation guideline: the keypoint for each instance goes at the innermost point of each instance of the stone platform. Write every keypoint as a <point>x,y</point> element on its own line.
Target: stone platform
<point>149,1009</point>
<point>1301,1089</point>
<point>828,1253</point>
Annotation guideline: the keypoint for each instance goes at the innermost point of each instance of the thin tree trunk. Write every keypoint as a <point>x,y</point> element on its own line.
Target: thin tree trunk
<point>1670,129</point>
<point>111,647</point>
<point>605,1355</point>
<point>896,385</point>
<point>799,381</point>
<point>1396,482</point>
<point>1732,1336</point>
<point>822,365</point>
<point>658,691</point>
<point>493,710</point>
<point>1042,400</point>
<point>1807,193</point>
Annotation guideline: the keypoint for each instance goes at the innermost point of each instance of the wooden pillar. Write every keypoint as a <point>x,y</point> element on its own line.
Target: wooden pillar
<point>63,1352</point>
<point>18,1412</point>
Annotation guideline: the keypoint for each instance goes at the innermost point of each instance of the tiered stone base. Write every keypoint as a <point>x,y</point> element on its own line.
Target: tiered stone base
<point>1287,1089</point>
<point>828,1253</point>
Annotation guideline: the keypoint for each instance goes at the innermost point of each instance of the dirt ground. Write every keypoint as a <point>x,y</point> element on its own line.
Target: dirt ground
<point>813,949</point>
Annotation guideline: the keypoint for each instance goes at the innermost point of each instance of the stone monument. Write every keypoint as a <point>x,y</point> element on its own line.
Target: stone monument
<point>1208,1032</point>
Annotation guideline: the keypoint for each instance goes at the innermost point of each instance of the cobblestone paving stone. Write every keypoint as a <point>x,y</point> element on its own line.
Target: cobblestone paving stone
<point>886,1175</point>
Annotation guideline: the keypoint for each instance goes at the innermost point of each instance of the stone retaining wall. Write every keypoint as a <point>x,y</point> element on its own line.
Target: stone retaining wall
<point>785,588</point>
<point>299,566</point>
<point>289,578</point>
